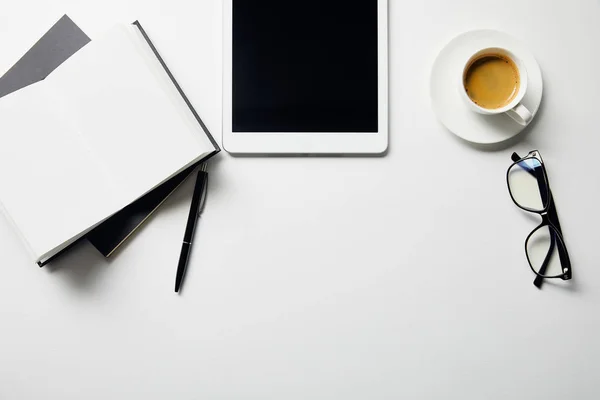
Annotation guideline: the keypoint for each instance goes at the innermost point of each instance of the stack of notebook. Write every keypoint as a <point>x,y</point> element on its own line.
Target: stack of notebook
<point>95,136</point>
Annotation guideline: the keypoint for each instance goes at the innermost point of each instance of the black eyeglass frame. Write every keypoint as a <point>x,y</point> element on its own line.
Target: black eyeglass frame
<point>549,219</point>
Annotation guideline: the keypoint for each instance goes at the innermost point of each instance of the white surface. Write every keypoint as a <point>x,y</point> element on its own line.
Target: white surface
<point>448,97</point>
<point>303,142</point>
<point>401,277</point>
<point>65,165</point>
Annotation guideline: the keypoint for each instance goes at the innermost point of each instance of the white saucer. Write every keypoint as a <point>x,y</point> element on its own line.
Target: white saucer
<point>451,109</point>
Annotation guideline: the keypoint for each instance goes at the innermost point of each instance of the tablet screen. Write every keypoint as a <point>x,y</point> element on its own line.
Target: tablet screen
<point>305,66</point>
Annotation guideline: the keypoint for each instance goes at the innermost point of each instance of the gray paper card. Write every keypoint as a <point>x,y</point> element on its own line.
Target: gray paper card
<point>58,44</point>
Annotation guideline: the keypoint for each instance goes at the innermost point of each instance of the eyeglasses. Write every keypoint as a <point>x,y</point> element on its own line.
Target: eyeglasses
<point>545,247</point>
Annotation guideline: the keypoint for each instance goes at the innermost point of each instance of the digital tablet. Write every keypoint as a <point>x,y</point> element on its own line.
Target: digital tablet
<point>305,77</point>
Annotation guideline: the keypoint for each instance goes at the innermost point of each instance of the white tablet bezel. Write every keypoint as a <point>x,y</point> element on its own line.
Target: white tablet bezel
<point>303,142</point>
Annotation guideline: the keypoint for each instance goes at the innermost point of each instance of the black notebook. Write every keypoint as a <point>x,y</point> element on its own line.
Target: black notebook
<point>63,40</point>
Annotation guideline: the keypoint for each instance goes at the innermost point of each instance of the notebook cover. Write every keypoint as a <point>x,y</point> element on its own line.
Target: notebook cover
<point>63,40</point>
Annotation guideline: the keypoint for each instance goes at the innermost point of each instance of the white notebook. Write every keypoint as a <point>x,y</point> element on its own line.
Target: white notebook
<point>102,130</point>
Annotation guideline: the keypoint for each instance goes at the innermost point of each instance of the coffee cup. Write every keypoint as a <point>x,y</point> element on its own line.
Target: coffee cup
<point>494,81</point>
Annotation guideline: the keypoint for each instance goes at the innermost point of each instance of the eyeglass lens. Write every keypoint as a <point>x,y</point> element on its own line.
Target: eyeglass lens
<point>528,185</point>
<point>542,249</point>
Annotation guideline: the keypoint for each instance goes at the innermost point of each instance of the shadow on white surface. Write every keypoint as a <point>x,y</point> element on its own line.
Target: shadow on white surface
<point>557,285</point>
<point>81,267</point>
<point>509,142</point>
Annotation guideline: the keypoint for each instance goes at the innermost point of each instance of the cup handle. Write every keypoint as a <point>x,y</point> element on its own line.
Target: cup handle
<point>520,114</point>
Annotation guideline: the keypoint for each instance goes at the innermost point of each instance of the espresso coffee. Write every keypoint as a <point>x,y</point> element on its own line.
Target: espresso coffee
<point>492,81</point>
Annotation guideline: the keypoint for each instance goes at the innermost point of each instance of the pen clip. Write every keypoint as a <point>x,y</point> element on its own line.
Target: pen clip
<point>203,198</point>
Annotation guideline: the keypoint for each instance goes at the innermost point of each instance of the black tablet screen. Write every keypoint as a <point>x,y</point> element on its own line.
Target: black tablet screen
<point>305,66</point>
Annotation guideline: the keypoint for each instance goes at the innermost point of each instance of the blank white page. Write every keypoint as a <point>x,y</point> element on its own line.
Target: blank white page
<point>169,88</point>
<point>123,105</point>
<point>51,185</point>
<point>101,131</point>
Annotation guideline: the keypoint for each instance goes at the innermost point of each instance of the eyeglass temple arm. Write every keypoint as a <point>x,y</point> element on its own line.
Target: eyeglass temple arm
<point>537,282</point>
<point>565,261</point>
<point>553,217</point>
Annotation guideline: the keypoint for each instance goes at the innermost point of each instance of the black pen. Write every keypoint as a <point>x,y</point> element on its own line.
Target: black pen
<point>195,210</point>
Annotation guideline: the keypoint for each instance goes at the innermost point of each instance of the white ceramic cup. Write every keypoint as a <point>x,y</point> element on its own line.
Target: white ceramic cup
<point>514,109</point>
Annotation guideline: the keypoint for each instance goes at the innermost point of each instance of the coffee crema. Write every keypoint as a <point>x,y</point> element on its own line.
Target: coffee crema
<point>492,81</point>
